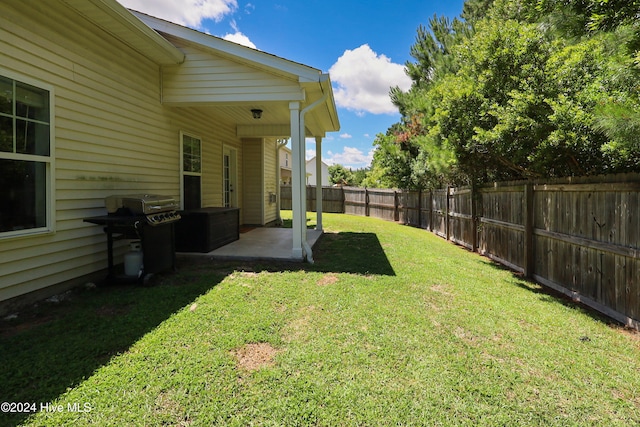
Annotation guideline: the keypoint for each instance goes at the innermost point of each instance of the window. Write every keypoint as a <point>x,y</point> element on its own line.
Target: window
<point>25,158</point>
<point>191,172</point>
<point>286,160</point>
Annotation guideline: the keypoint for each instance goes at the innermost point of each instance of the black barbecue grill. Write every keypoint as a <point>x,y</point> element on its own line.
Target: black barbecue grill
<point>149,218</point>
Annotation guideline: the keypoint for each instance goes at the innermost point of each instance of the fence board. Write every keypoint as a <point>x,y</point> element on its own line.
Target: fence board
<point>332,199</point>
<point>285,197</point>
<point>425,210</point>
<point>382,204</point>
<point>439,203</point>
<point>461,221</point>
<point>410,208</point>
<point>355,201</point>
<point>502,231</point>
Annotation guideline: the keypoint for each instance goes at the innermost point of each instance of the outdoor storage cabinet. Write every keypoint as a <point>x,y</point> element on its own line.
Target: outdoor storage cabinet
<point>205,229</point>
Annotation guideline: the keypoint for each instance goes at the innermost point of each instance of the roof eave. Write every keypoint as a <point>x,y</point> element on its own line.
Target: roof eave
<point>113,18</point>
<point>304,73</point>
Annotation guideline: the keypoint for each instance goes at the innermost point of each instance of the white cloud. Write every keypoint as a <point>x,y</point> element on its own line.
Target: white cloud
<point>346,136</point>
<point>240,38</point>
<point>363,80</point>
<point>350,157</point>
<point>184,12</point>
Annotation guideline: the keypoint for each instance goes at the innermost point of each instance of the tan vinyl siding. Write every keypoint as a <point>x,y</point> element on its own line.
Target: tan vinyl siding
<point>205,77</point>
<point>270,180</point>
<point>253,193</point>
<point>259,180</point>
<point>112,136</point>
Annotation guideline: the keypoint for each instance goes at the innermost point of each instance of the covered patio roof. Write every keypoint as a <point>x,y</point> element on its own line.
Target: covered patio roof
<point>230,80</point>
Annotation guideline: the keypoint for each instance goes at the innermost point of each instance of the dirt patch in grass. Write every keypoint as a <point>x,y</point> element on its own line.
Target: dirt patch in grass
<point>254,356</point>
<point>328,279</point>
<point>300,328</point>
<point>441,289</point>
<point>634,334</point>
<point>166,405</point>
<point>7,330</point>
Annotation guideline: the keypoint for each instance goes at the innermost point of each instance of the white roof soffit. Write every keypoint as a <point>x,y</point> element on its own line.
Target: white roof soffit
<point>233,50</point>
<point>115,19</point>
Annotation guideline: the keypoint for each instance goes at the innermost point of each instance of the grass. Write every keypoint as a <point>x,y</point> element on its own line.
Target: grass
<point>390,326</point>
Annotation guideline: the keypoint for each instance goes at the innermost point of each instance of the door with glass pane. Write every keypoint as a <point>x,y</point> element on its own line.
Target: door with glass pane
<point>229,177</point>
<point>191,172</point>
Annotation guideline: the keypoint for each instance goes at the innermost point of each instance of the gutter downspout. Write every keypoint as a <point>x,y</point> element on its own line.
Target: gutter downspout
<point>305,244</point>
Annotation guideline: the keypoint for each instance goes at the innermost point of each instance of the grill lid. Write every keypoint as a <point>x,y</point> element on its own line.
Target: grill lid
<point>141,204</point>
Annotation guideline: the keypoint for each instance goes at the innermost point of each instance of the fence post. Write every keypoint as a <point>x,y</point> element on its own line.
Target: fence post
<point>366,202</point>
<point>431,210</point>
<point>419,208</point>
<point>474,218</point>
<point>528,230</point>
<point>396,211</point>
<point>446,214</point>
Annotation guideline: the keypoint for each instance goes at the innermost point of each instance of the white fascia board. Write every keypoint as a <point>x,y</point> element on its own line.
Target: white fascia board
<point>325,113</point>
<point>325,84</point>
<point>257,58</point>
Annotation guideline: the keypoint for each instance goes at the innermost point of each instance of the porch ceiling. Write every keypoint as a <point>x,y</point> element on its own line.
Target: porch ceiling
<point>275,120</point>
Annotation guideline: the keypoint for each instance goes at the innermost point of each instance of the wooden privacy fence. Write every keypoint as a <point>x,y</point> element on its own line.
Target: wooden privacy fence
<point>332,199</point>
<point>578,236</point>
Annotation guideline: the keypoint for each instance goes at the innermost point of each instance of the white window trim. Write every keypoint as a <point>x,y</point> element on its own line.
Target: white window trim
<point>50,161</point>
<point>182,171</point>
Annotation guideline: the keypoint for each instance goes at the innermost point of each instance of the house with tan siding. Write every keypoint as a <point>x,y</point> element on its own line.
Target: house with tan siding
<point>97,100</point>
<point>285,166</point>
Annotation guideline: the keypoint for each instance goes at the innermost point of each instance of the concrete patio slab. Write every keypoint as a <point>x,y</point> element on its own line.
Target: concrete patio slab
<point>259,244</point>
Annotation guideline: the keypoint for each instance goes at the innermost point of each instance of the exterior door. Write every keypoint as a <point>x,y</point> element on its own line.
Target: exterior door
<point>229,177</point>
<point>191,166</point>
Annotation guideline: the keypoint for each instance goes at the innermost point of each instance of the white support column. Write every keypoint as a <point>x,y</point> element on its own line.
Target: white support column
<point>319,183</point>
<point>297,179</point>
<point>303,185</point>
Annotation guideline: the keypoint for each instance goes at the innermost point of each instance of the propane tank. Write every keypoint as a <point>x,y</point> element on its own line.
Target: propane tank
<point>133,260</point>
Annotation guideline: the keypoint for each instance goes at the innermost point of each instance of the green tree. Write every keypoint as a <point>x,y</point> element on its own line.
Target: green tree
<point>517,89</point>
<point>359,175</point>
<point>593,15</point>
<point>338,174</point>
<point>408,156</point>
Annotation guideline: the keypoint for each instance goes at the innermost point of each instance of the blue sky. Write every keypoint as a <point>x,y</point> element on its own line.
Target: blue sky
<point>362,44</point>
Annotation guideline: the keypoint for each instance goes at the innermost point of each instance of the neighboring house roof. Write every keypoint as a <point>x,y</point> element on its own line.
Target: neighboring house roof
<point>313,161</point>
<point>324,171</point>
